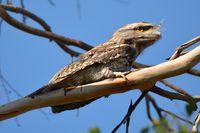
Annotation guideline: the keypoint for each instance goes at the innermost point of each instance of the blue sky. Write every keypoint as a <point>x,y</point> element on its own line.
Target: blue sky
<point>28,61</point>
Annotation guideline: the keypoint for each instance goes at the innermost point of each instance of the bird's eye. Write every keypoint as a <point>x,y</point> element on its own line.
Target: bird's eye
<point>142,28</point>
<point>139,29</point>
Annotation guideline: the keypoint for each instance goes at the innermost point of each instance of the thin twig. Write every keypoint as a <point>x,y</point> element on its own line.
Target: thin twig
<point>180,54</point>
<point>174,96</point>
<point>51,2</point>
<point>188,43</point>
<point>28,14</point>
<point>160,110</point>
<point>184,46</point>
<point>79,9</point>
<point>176,116</point>
<point>127,125</point>
<point>47,34</point>
<point>154,105</point>
<point>23,6</point>
<point>12,88</point>
<point>148,109</point>
<point>1,23</point>
<point>177,89</point>
<point>128,119</point>
<point>44,114</point>
<point>42,23</point>
<point>6,91</point>
<point>6,84</point>
<point>131,109</point>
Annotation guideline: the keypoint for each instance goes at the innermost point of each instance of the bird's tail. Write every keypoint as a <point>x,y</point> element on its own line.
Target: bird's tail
<point>71,106</point>
<point>43,89</point>
<point>60,108</point>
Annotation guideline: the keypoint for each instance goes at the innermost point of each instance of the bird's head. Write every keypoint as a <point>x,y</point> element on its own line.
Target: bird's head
<point>140,35</point>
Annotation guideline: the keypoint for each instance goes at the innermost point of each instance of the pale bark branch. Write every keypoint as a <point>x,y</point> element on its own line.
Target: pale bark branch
<point>196,124</point>
<point>187,44</point>
<point>142,79</point>
<point>178,52</point>
<point>194,72</point>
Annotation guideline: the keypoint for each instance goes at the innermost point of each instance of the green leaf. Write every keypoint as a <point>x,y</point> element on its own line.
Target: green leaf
<point>190,108</point>
<point>94,130</point>
<point>184,129</point>
<point>160,129</point>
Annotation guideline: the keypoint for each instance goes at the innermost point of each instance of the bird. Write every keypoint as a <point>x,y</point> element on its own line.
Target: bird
<point>111,59</point>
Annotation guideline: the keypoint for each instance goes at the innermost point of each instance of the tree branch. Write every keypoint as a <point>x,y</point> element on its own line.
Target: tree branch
<point>175,96</point>
<point>187,44</point>
<point>160,110</point>
<point>194,72</point>
<point>130,111</point>
<point>143,79</point>
<point>177,53</point>
<point>196,124</point>
<point>148,109</point>
<point>60,40</point>
<point>177,89</point>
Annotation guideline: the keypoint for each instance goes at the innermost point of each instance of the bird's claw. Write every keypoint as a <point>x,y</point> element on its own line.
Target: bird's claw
<point>123,75</point>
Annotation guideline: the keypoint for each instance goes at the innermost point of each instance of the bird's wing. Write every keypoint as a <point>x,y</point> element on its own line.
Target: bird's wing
<point>99,55</point>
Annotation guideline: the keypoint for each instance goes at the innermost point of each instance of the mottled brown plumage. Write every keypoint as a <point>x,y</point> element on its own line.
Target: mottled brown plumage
<point>104,61</point>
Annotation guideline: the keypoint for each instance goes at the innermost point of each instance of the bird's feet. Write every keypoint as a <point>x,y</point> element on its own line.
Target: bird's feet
<point>123,75</point>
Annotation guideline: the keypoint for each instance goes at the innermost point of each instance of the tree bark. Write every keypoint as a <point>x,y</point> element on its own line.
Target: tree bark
<point>142,79</point>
